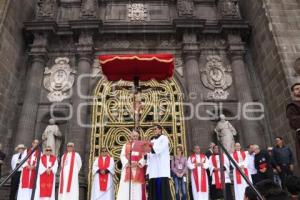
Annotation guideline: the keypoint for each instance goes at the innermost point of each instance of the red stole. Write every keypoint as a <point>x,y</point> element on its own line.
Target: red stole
<point>103,178</point>
<point>46,181</point>
<point>218,182</point>
<point>203,173</point>
<point>70,173</point>
<point>237,173</point>
<point>28,175</point>
<point>139,176</point>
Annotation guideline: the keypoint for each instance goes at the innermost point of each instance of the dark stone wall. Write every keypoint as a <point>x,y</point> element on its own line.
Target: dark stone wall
<point>274,47</point>
<point>12,64</point>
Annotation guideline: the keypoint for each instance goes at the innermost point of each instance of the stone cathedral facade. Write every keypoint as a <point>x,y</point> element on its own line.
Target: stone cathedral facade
<point>228,53</point>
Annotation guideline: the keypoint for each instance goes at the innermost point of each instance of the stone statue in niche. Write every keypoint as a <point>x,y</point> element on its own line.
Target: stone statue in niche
<point>185,7</point>
<point>216,77</point>
<point>226,133</point>
<point>59,80</point>
<point>52,137</point>
<point>46,8</point>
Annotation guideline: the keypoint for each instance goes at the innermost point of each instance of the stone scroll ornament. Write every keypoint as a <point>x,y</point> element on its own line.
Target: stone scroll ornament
<point>216,77</point>
<point>46,8</point>
<point>185,8</point>
<point>59,80</point>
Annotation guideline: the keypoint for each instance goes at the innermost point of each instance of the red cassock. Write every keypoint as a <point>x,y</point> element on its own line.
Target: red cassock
<point>143,66</point>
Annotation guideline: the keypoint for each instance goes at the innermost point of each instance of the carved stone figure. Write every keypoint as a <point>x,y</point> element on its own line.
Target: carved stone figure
<point>52,137</point>
<point>226,133</point>
<point>59,80</point>
<point>185,7</point>
<point>216,77</point>
<point>137,12</point>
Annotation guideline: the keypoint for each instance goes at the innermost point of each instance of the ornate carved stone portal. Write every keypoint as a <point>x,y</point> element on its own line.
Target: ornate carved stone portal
<point>113,117</point>
<point>216,77</point>
<point>59,80</point>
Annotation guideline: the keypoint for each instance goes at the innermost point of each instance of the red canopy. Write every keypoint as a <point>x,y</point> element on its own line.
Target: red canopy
<point>144,66</point>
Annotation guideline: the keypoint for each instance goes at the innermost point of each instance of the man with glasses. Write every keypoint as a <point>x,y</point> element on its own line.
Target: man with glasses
<point>70,167</point>
<point>45,185</point>
<point>103,171</point>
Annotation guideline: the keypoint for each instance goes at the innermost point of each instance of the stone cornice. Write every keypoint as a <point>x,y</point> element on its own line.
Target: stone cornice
<point>177,26</point>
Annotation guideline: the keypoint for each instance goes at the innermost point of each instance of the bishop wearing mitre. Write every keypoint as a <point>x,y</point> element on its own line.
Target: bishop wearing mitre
<point>45,185</point>
<point>70,167</point>
<point>103,171</point>
<point>241,159</point>
<point>198,163</point>
<point>133,172</point>
<point>28,173</point>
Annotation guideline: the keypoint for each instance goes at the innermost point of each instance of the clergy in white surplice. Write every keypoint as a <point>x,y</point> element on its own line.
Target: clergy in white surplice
<point>28,174</point>
<point>159,167</point>
<point>103,183</point>
<point>45,185</point>
<point>198,163</point>
<point>241,159</point>
<point>215,171</point>
<point>133,173</point>
<point>68,181</point>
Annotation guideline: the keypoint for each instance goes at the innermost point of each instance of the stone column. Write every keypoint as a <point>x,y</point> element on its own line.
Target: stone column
<point>249,127</point>
<point>26,125</point>
<point>78,130</point>
<point>198,133</point>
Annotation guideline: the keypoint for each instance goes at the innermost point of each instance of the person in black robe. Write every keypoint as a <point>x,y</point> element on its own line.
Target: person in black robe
<point>263,164</point>
<point>2,157</point>
<point>293,115</point>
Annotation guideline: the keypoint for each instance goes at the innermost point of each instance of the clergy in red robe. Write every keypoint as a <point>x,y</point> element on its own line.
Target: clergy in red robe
<point>241,159</point>
<point>70,167</point>
<point>45,185</point>
<point>198,163</point>
<point>28,174</point>
<point>103,171</point>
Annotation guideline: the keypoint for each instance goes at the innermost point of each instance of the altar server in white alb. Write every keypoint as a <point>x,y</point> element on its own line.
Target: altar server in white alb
<point>133,173</point>
<point>103,171</point>
<point>241,159</point>
<point>215,171</point>
<point>198,163</point>
<point>45,185</point>
<point>159,167</point>
<point>28,173</point>
<point>70,167</point>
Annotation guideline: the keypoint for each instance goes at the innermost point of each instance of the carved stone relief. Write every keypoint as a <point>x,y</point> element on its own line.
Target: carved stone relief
<point>97,69</point>
<point>229,8</point>
<point>185,7</point>
<point>179,66</point>
<point>88,9</point>
<point>59,80</point>
<point>46,8</point>
<point>216,77</point>
<point>137,12</point>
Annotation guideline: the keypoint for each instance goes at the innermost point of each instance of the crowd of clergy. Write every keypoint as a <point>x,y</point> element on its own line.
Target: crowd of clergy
<point>152,165</point>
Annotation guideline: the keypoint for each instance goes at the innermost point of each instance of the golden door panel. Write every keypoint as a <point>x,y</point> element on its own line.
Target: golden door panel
<point>113,117</point>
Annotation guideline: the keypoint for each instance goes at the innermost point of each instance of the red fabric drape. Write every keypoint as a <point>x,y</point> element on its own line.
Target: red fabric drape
<point>28,175</point>
<point>70,173</point>
<point>144,66</point>
<point>216,172</point>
